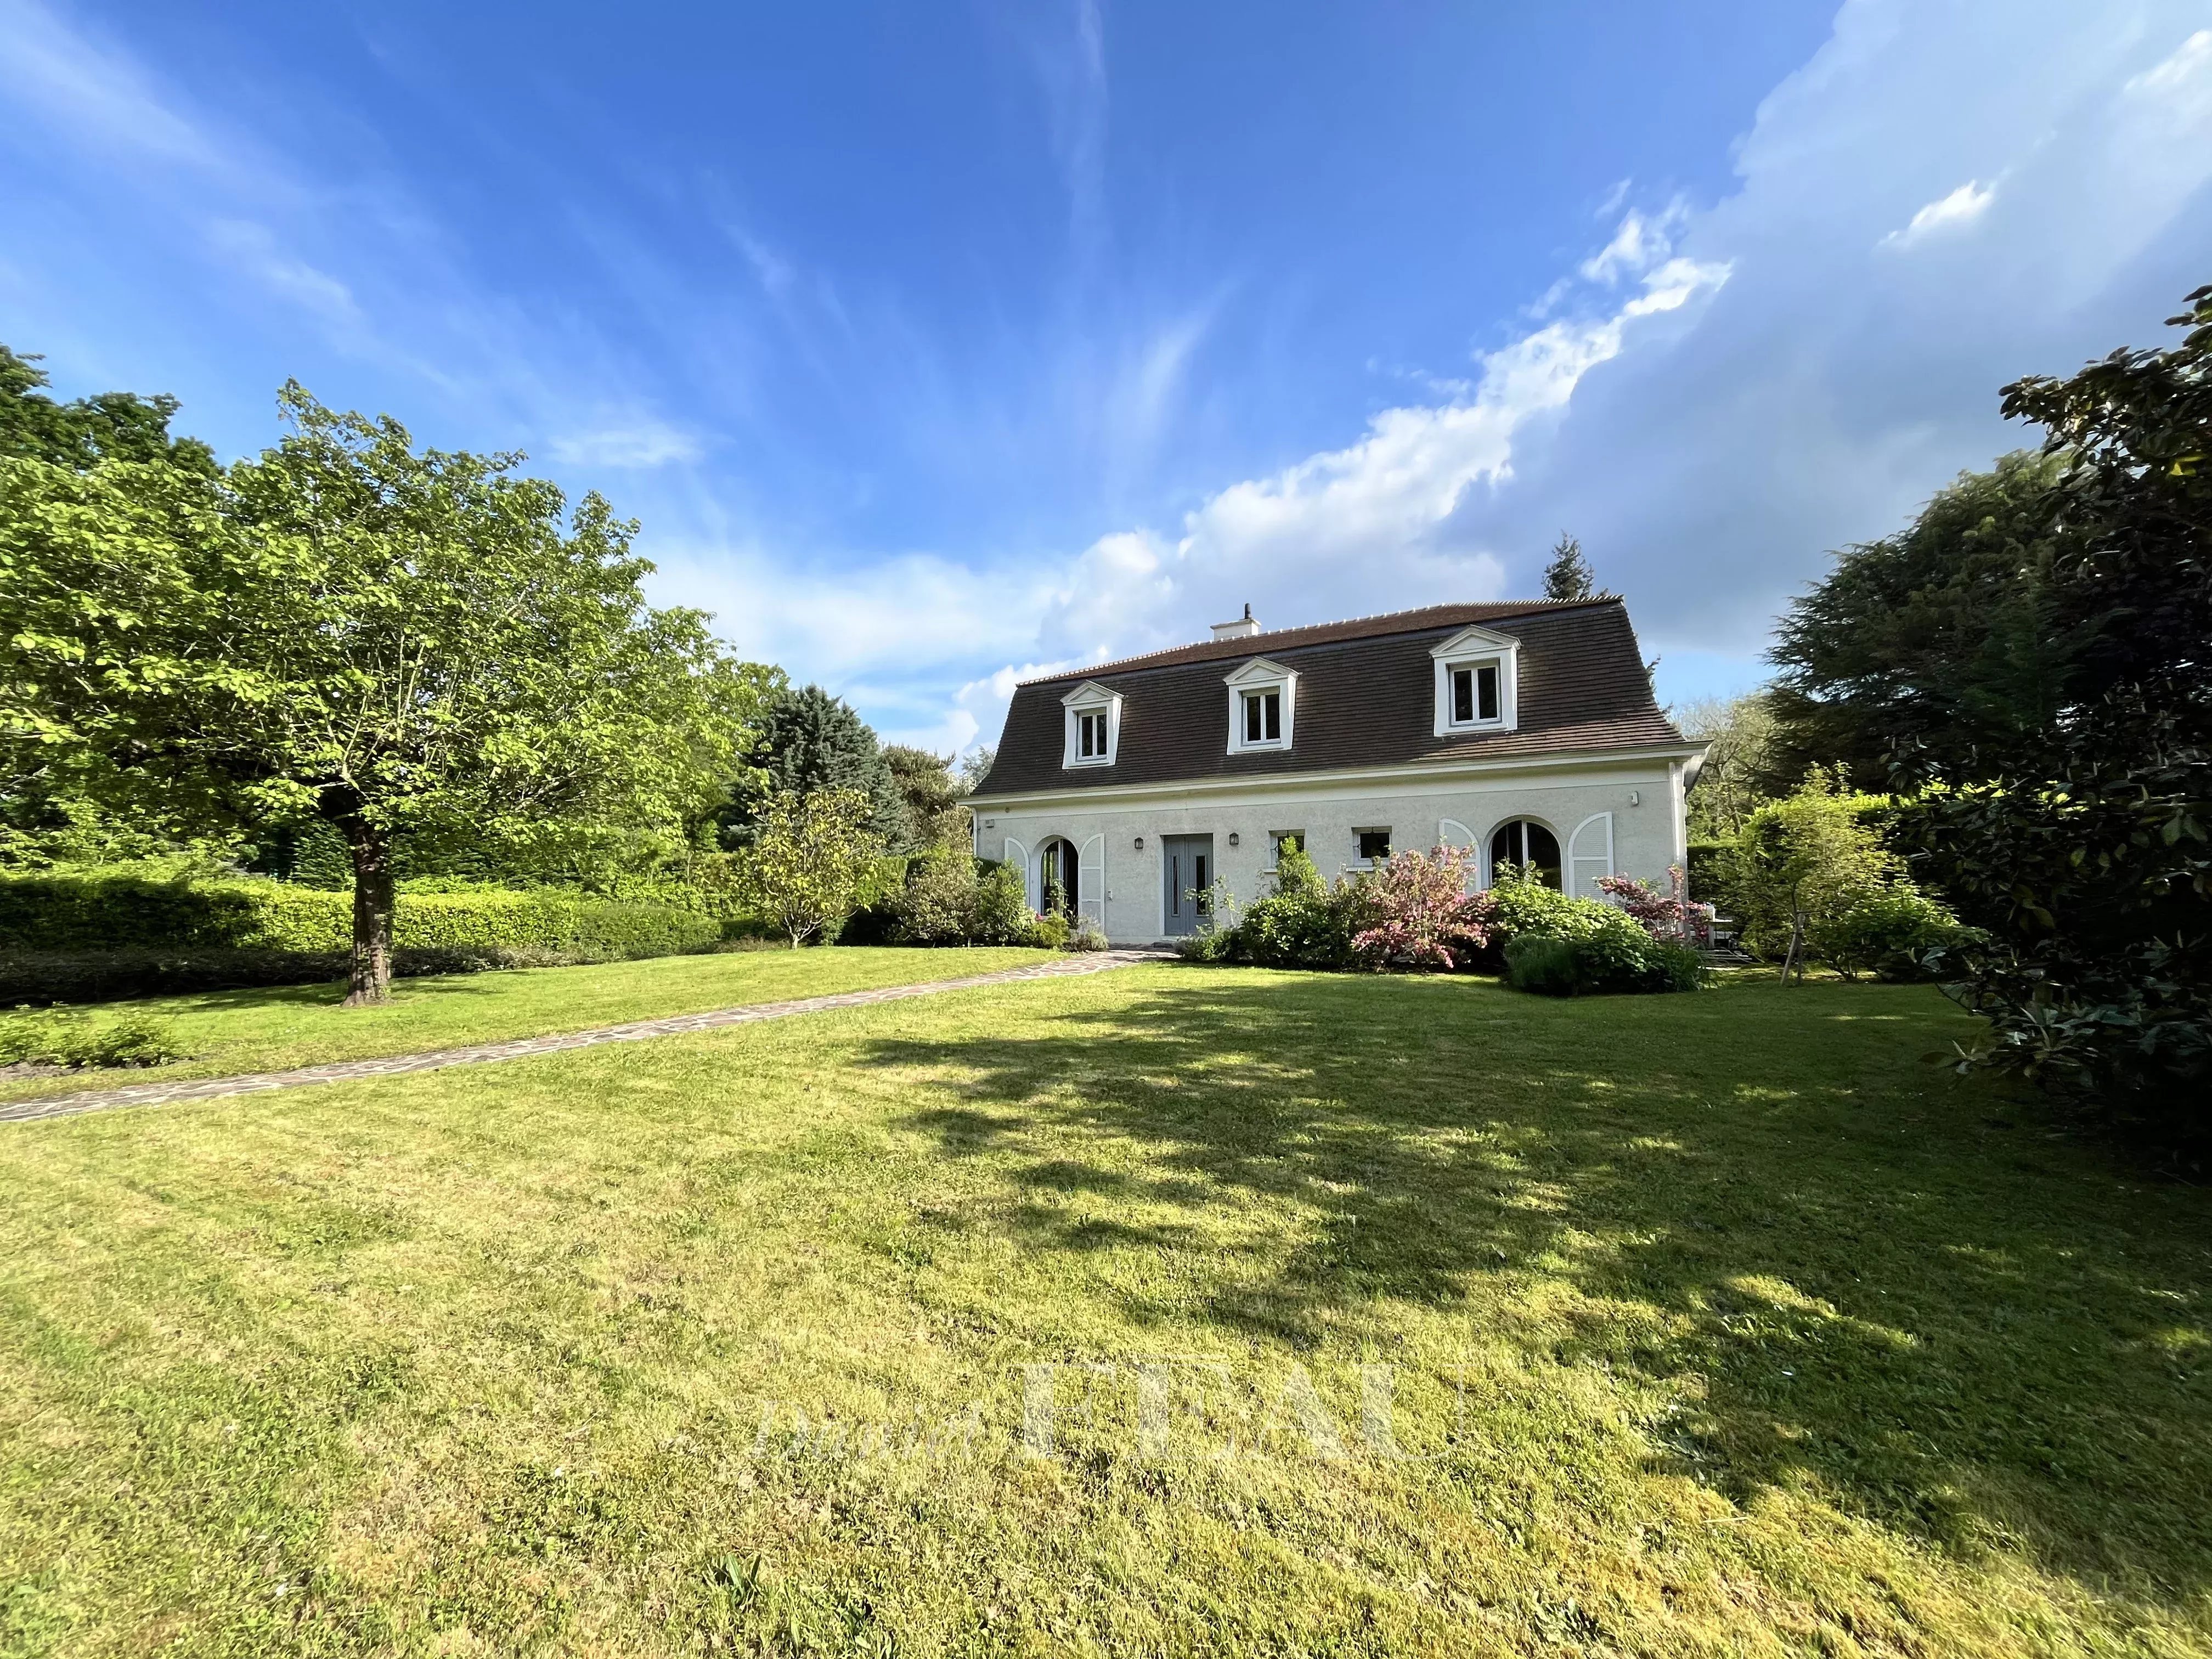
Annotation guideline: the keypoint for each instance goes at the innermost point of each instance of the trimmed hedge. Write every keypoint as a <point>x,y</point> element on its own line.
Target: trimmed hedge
<point>98,911</point>
<point>84,935</point>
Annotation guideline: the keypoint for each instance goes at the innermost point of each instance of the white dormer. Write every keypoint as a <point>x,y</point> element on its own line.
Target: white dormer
<point>1478,676</point>
<point>1093,722</point>
<point>1262,702</point>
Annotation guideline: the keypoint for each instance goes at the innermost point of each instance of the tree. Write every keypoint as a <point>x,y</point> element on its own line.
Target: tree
<point>399,643</point>
<point>810,856</point>
<point>1804,860</point>
<point>1741,764</point>
<point>49,810</point>
<point>1951,637</point>
<point>930,796</point>
<point>2082,844</point>
<point>809,740</point>
<point>1569,575</point>
<point>112,426</point>
<point>976,766</point>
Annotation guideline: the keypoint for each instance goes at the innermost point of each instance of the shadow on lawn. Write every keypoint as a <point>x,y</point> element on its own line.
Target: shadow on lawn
<point>1951,1325</point>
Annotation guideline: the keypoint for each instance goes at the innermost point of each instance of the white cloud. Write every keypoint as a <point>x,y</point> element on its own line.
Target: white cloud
<point>1961,207</point>
<point>1359,528</point>
<point>2183,81</point>
<point>628,444</point>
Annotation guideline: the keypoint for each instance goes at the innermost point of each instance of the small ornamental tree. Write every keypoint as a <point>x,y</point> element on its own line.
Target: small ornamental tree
<point>1668,915</point>
<point>1418,912</point>
<point>810,856</point>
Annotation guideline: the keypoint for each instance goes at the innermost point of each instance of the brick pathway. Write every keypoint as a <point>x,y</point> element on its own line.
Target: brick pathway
<point>483,1053</point>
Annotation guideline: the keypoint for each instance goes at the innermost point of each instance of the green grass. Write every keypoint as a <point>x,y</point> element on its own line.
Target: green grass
<point>226,1032</point>
<point>1715,1324</point>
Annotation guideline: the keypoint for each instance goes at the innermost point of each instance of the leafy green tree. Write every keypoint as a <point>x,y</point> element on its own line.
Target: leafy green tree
<point>1742,762</point>
<point>808,740</point>
<point>112,426</point>
<point>50,812</point>
<point>976,766</point>
<point>399,643</point>
<point>1806,860</point>
<point>1569,575</point>
<point>810,856</point>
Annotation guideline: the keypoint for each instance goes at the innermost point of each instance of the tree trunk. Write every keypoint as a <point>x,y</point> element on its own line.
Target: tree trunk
<point>371,981</point>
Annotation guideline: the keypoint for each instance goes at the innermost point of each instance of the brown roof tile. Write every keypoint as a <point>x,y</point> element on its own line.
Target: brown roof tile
<point>1365,698</point>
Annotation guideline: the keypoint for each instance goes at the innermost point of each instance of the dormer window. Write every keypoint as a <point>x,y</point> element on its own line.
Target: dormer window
<point>1474,693</point>
<point>1263,703</point>
<point>1477,675</point>
<point>1093,721</point>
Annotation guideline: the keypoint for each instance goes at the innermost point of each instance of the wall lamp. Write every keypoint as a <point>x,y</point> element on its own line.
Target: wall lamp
<point>1232,838</point>
<point>1140,844</point>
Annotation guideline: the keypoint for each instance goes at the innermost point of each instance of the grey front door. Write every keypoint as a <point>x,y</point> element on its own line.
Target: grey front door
<point>1187,867</point>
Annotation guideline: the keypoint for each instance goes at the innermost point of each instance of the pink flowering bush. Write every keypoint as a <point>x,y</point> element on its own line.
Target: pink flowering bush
<point>1668,915</point>
<point>1416,912</point>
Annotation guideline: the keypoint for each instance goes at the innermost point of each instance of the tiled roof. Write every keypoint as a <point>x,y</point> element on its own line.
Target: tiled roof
<point>1365,697</point>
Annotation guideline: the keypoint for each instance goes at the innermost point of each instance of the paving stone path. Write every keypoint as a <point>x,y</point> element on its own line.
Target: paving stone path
<point>483,1053</point>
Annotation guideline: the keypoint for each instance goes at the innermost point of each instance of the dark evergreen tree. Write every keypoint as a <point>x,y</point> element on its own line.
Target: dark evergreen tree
<point>810,740</point>
<point>930,796</point>
<point>1569,575</point>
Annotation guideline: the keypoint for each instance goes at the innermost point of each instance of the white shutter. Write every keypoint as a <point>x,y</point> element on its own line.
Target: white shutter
<point>1091,881</point>
<point>1452,833</point>
<point>1589,854</point>
<point>1018,856</point>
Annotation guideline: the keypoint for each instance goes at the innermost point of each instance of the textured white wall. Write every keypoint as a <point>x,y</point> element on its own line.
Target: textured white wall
<point>1647,836</point>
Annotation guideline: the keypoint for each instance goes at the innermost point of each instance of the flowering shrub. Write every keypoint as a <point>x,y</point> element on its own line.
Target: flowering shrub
<point>1303,923</point>
<point>1668,915</point>
<point>1417,912</point>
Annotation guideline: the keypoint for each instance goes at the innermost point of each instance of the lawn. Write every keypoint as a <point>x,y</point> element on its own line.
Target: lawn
<point>227,1032</point>
<point>1389,1316</point>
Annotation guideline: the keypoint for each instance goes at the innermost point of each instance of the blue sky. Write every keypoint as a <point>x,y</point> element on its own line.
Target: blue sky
<point>936,344</point>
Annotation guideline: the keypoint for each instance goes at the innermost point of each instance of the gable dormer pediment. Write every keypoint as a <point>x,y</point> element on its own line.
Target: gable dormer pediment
<point>1260,671</point>
<point>1470,640</point>
<point>1089,692</point>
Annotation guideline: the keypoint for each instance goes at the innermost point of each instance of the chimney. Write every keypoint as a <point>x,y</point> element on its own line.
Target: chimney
<point>1242,628</point>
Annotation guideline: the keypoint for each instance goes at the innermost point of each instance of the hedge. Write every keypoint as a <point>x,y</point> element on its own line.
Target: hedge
<point>81,935</point>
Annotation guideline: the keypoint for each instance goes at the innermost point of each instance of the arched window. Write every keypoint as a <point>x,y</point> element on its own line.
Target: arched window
<point>1519,841</point>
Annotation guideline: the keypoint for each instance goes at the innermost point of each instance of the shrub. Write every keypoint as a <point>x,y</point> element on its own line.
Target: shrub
<point>1890,935</point>
<point>1049,931</point>
<point>61,1036</point>
<point>1087,935</point>
<point>1302,923</point>
<point>937,906</point>
<point>1418,913</point>
<point>1541,963</point>
<point>1002,908</point>
<point>1606,948</point>
<point>1668,915</point>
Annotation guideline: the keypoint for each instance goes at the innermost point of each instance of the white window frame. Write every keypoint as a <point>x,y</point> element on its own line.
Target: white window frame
<point>1275,840</point>
<point>1359,830</point>
<point>1261,675</point>
<point>1477,648</point>
<point>1090,698</point>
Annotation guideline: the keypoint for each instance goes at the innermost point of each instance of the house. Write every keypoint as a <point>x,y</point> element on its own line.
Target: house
<point>1525,730</point>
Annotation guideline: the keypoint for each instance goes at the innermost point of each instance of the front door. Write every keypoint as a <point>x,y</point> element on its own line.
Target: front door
<point>1187,863</point>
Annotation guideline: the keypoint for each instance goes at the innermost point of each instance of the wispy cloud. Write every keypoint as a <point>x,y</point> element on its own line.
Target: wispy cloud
<point>632,444</point>
<point>1961,207</point>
